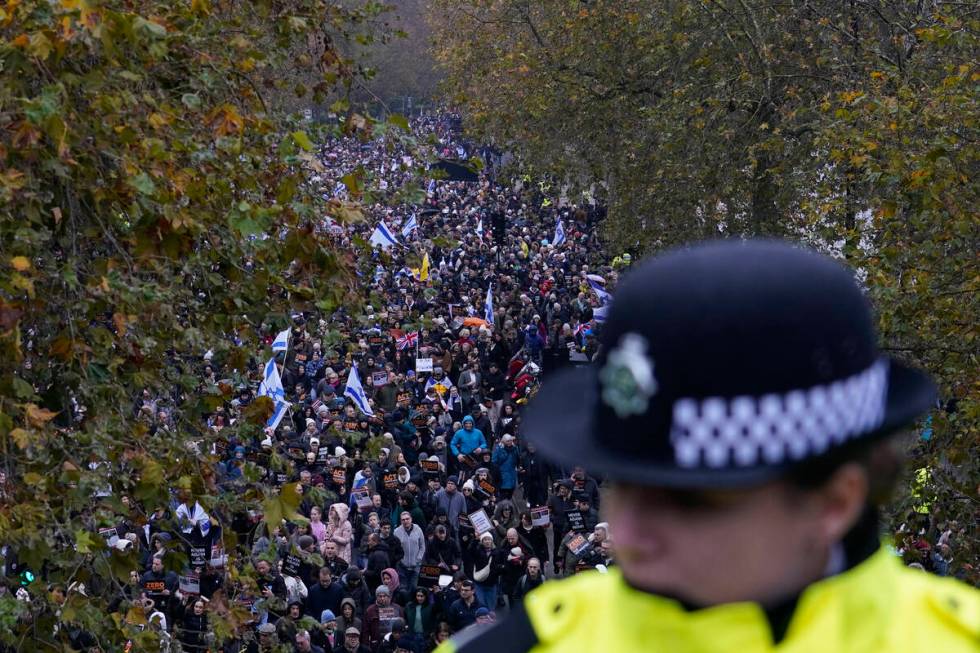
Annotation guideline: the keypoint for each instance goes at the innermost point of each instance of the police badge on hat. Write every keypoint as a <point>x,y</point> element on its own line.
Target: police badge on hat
<point>627,377</point>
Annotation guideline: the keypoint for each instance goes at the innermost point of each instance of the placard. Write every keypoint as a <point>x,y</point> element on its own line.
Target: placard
<point>300,358</point>
<point>379,379</point>
<point>423,364</point>
<point>218,556</point>
<point>376,341</point>
<point>390,480</point>
<point>362,498</point>
<point>386,617</point>
<point>154,586</point>
<point>110,535</point>
<point>429,575</point>
<point>481,522</point>
<point>576,521</point>
<point>198,556</point>
<point>190,583</point>
<point>339,475</point>
<point>429,466</point>
<point>487,487</point>
<point>578,544</point>
<point>403,397</point>
<point>290,565</point>
<point>540,516</point>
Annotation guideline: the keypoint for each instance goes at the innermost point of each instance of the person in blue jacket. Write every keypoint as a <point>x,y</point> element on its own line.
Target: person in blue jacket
<point>505,459</point>
<point>467,441</point>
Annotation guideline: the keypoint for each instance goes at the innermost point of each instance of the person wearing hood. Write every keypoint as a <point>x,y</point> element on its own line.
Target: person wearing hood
<point>467,441</point>
<point>356,590</point>
<point>340,531</point>
<point>504,518</point>
<point>399,594</point>
<point>347,617</point>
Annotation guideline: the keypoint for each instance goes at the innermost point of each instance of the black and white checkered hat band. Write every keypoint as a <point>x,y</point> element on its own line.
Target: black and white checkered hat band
<point>746,431</point>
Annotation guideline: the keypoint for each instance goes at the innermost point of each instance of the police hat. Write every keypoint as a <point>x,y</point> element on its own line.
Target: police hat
<point>727,364</point>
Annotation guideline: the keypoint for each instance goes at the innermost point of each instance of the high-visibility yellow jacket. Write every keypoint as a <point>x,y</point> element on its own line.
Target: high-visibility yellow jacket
<point>877,606</point>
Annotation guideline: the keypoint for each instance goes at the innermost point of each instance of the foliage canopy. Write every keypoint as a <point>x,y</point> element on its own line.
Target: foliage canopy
<point>852,126</point>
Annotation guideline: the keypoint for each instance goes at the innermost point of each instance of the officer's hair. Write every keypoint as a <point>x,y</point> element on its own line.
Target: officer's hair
<point>882,460</point>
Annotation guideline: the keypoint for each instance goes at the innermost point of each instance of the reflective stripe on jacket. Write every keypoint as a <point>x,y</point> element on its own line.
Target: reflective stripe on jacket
<point>877,606</point>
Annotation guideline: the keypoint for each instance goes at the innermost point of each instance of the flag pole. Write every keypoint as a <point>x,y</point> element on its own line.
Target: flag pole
<point>285,352</point>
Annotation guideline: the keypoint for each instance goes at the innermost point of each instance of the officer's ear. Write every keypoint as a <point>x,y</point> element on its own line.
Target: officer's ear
<point>841,500</point>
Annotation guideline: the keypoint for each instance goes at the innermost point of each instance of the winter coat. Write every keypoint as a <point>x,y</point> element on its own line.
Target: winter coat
<point>878,606</point>
<point>413,546</point>
<point>320,598</point>
<point>341,531</point>
<point>454,504</point>
<point>506,460</point>
<point>444,553</point>
<point>465,442</point>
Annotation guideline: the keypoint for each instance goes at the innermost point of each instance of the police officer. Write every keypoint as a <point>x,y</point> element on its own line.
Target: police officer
<point>742,410</point>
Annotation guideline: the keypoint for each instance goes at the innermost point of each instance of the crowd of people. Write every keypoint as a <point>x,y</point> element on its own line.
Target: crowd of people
<point>418,507</point>
<point>413,504</point>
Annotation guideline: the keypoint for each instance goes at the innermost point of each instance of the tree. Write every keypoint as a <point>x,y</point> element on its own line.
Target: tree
<point>848,125</point>
<point>153,205</point>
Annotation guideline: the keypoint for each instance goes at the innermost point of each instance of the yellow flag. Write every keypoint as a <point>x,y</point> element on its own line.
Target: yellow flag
<point>422,274</point>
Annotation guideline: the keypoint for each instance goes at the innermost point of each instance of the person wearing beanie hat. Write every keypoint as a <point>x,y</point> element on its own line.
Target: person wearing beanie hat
<point>452,501</point>
<point>379,616</point>
<point>745,417</point>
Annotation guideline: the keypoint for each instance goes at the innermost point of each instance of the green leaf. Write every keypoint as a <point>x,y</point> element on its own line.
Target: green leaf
<point>303,140</point>
<point>85,542</point>
<point>22,389</point>
<point>142,183</point>
<point>400,121</point>
<point>191,100</point>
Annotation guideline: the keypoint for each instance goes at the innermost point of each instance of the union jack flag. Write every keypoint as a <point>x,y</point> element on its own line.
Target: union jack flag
<point>408,340</point>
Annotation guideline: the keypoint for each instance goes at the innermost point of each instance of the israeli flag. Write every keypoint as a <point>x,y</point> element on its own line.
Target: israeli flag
<point>479,228</point>
<point>410,226</point>
<point>355,391</point>
<point>488,306</point>
<point>271,387</point>
<point>432,187</point>
<point>559,238</point>
<point>600,292</point>
<point>281,343</point>
<point>382,237</point>
<point>445,382</point>
<point>599,314</point>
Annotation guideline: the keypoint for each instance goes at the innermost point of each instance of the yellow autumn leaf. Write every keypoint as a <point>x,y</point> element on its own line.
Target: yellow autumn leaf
<point>20,263</point>
<point>21,438</point>
<point>38,416</point>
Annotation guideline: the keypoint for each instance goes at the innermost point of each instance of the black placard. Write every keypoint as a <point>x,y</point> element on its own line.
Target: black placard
<point>429,575</point>
<point>390,480</point>
<point>576,520</point>
<point>198,556</point>
<point>290,565</point>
